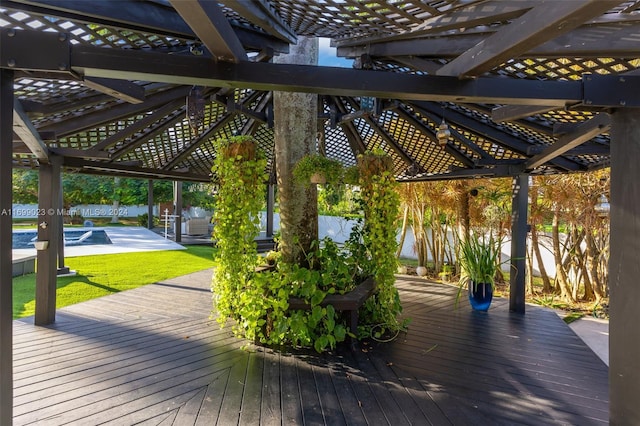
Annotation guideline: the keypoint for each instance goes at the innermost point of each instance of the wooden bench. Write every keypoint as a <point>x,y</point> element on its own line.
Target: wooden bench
<point>349,302</point>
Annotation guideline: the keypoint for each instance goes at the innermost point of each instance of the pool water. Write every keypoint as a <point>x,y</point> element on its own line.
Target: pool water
<point>22,240</point>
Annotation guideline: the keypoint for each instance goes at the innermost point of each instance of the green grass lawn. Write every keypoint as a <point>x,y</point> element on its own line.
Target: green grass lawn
<point>110,273</point>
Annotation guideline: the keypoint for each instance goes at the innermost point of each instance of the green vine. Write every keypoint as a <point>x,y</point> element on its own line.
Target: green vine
<point>239,169</point>
<point>379,190</point>
<point>259,302</point>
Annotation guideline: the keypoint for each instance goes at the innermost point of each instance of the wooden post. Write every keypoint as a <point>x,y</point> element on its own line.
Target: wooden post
<point>150,204</point>
<point>624,269</point>
<point>6,289</point>
<point>177,203</point>
<point>48,231</point>
<point>519,207</point>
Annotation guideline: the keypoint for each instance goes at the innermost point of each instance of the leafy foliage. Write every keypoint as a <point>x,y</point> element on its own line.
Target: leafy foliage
<point>240,172</point>
<point>479,259</point>
<point>89,189</point>
<point>258,302</point>
<point>378,189</point>
<point>332,170</point>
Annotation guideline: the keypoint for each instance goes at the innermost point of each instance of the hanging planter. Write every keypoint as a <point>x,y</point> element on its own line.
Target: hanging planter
<point>318,169</point>
<point>318,178</point>
<point>240,148</point>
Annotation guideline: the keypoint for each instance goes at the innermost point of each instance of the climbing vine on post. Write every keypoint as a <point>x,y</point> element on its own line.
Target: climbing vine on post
<point>240,171</point>
<point>381,206</point>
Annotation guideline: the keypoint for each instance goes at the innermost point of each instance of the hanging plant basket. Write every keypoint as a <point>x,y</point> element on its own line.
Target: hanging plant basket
<point>318,178</point>
<point>318,169</point>
<point>374,164</point>
<point>241,149</point>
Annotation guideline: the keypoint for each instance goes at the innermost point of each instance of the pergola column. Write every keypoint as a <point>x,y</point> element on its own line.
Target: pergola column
<point>50,234</point>
<point>624,269</point>
<point>177,206</point>
<point>150,204</point>
<point>6,289</point>
<point>519,207</point>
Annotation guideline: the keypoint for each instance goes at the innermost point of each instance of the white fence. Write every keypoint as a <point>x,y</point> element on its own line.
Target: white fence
<point>339,228</point>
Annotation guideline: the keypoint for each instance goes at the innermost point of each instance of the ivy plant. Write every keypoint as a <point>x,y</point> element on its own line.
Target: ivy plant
<point>379,190</point>
<point>239,168</point>
<point>259,302</point>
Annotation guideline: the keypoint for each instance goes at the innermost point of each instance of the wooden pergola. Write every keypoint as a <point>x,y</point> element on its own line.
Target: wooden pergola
<point>142,88</point>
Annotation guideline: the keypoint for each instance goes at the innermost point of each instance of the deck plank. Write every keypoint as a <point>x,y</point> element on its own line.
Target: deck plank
<point>153,356</point>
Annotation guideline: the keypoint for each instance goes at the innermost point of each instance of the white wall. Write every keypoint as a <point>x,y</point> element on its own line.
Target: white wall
<point>339,228</point>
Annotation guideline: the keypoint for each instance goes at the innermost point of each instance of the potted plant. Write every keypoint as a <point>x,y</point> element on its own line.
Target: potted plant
<point>314,168</point>
<point>447,272</point>
<point>479,259</point>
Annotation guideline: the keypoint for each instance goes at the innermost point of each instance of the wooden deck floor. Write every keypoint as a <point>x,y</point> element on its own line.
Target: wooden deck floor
<point>152,356</point>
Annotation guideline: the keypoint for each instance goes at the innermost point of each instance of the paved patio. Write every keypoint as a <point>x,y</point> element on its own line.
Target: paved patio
<point>153,356</point>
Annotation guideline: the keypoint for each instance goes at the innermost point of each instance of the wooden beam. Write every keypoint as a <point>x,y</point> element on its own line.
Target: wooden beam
<point>212,28</point>
<point>492,132</point>
<point>585,131</point>
<point>431,134</point>
<point>80,153</point>
<point>138,126</point>
<point>460,173</point>
<point>23,127</point>
<point>514,112</point>
<point>465,17</point>
<point>119,89</point>
<point>383,134</point>
<point>547,20</point>
<point>193,70</point>
<point>587,41</point>
<point>263,15</point>
<point>141,16</point>
<point>190,146</point>
<point>150,133</point>
<point>416,63</point>
<point>103,116</point>
<point>127,170</point>
<point>356,143</point>
<point>322,80</point>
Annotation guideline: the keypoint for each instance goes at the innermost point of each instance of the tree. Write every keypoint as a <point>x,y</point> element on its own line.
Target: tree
<point>25,186</point>
<point>295,132</point>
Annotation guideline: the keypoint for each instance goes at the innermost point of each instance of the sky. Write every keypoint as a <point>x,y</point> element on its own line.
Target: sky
<point>327,56</point>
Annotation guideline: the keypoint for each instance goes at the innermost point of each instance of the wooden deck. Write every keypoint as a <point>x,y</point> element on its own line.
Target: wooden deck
<point>152,356</point>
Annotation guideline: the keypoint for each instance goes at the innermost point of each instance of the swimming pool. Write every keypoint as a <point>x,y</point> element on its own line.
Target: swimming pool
<point>24,239</point>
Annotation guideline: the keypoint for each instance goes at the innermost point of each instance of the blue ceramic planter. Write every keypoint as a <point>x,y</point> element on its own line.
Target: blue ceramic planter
<point>480,295</point>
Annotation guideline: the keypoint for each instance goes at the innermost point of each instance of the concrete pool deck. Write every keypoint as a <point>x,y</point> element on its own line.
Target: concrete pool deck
<point>124,239</point>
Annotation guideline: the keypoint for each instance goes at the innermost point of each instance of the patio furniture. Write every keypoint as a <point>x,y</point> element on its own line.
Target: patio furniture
<point>197,226</point>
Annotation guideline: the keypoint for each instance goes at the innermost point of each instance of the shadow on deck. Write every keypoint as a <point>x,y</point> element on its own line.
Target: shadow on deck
<point>153,356</point>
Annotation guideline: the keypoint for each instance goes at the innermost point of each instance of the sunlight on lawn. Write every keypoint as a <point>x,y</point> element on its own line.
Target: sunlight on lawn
<point>105,274</point>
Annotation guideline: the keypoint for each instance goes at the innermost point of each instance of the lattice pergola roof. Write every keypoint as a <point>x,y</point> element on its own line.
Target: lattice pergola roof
<point>524,86</point>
